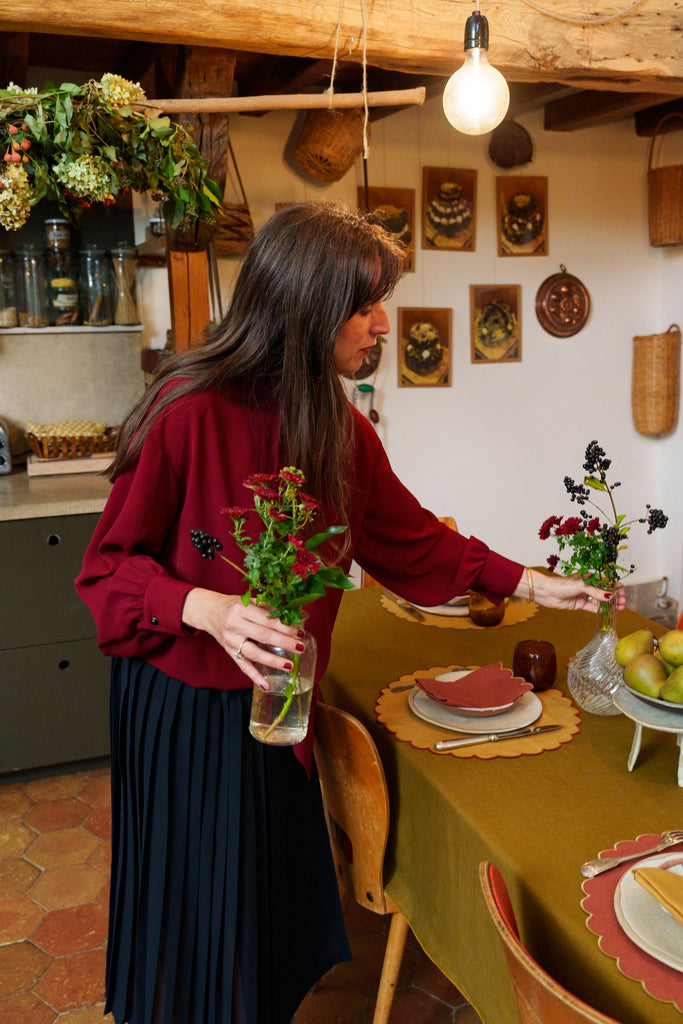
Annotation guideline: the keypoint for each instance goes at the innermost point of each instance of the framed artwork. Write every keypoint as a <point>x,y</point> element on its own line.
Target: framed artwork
<point>449,208</point>
<point>395,207</point>
<point>495,323</point>
<point>522,216</point>
<point>424,347</point>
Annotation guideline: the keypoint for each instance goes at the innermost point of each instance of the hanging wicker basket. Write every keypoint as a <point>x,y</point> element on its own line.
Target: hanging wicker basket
<point>330,142</point>
<point>665,197</point>
<point>234,228</point>
<point>656,381</point>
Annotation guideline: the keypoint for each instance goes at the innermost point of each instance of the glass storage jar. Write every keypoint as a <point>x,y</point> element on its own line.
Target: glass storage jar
<point>95,287</point>
<point>62,288</point>
<point>124,264</point>
<point>31,287</point>
<point>8,291</point>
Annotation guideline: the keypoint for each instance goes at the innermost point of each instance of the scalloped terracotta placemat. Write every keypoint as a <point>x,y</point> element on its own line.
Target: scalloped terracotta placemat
<point>659,980</point>
<point>515,612</point>
<point>393,712</point>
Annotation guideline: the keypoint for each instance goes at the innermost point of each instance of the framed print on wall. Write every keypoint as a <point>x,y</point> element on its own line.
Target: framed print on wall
<point>522,216</point>
<point>495,323</point>
<point>449,208</point>
<point>424,347</point>
<point>395,207</point>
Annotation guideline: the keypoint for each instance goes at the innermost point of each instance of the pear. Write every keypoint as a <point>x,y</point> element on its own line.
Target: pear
<point>629,647</point>
<point>671,647</point>
<point>673,687</point>
<point>645,673</point>
<point>669,668</point>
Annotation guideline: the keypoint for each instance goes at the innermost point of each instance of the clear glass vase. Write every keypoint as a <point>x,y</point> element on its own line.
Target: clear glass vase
<point>594,674</point>
<point>279,715</point>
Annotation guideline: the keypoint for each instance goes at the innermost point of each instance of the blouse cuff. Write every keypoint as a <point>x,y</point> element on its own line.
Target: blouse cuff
<point>163,605</point>
<point>499,577</point>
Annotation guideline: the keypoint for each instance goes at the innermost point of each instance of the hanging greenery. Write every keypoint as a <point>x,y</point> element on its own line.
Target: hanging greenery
<point>80,145</point>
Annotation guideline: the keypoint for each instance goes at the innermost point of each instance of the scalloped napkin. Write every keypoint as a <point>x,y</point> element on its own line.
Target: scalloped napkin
<point>490,686</point>
<point>666,885</point>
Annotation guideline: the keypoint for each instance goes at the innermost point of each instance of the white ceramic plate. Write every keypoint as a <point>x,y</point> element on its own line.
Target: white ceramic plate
<point>445,609</point>
<point>665,705</point>
<point>645,920</point>
<point>526,710</point>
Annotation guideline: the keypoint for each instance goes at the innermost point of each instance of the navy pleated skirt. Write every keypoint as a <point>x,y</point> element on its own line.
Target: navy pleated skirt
<point>224,905</point>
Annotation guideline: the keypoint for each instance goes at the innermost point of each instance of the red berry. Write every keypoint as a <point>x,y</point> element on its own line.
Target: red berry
<point>13,129</point>
<point>24,127</point>
<point>25,143</point>
<point>7,157</point>
<point>16,158</point>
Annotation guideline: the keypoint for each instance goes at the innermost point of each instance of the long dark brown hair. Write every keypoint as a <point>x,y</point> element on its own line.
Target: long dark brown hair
<point>309,270</point>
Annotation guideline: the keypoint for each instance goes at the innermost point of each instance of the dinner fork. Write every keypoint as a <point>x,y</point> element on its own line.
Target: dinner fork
<point>600,864</point>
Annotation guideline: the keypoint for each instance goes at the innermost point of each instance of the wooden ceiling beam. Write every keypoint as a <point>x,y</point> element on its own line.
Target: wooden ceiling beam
<point>14,59</point>
<point>588,108</point>
<point>647,121</point>
<point>638,52</point>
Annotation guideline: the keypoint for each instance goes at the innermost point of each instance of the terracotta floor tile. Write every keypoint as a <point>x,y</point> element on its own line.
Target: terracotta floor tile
<point>430,979</point>
<point>334,1002</point>
<point>54,787</point>
<point>26,1009</point>
<point>63,846</point>
<point>99,822</point>
<point>71,930</point>
<point>101,856</point>
<point>73,982</point>
<point>13,803</point>
<point>102,898</point>
<point>467,1015</point>
<point>16,876</point>
<point>49,815</point>
<point>14,838</point>
<point>361,923</point>
<point>19,916</point>
<point>67,886</point>
<point>93,1015</point>
<point>412,1004</point>
<point>21,965</point>
<point>97,790</point>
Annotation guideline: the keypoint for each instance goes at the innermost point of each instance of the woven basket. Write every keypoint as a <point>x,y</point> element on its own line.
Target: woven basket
<point>54,446</point>
<point>656,381</point>
<point>665,197</point>
<point>330,141</point>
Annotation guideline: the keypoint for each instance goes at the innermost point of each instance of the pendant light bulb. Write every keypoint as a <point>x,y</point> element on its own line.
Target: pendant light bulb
<point>476,97</point>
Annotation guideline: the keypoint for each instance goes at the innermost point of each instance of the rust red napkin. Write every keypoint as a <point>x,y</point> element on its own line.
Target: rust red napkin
<point>491,686</point>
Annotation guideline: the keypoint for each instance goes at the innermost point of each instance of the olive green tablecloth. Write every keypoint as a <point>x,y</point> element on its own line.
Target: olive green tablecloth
<point>537,817</point>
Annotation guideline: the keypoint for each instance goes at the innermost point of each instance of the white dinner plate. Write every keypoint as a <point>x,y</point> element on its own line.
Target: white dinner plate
<point>525,711</point>
<point>645,920</point>
<point>445,609</point>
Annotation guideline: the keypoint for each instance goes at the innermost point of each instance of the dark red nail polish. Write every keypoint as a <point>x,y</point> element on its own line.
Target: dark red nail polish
<point>300,633</point>
<point>300,648</point>
<point>288,665</point>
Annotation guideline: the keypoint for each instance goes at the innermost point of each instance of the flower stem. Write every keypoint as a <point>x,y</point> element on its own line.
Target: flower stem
<point>289,696</point>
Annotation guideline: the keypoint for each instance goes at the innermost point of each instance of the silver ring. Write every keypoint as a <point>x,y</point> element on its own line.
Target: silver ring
<point>238,653</point>
<point>588,598</point>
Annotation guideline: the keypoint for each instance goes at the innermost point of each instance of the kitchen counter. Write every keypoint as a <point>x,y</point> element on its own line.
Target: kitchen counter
<point>37,497</point>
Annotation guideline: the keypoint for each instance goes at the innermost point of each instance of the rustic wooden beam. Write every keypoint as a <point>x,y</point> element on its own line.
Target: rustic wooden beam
<point>640,50</point>
<point>188,274</point>
<point>297,101</point>
<point>14,59</point>
<point>588,108</point>
<point>648,120</point>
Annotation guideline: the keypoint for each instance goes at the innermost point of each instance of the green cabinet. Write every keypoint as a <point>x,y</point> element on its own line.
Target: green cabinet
<point>54,682</point>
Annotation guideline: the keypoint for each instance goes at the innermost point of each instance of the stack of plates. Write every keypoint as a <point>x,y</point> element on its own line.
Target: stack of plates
<point>645,920</point>
<point>466,700</point>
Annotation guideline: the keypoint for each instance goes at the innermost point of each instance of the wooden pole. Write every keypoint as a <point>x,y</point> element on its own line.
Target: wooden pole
<point>295,101</point>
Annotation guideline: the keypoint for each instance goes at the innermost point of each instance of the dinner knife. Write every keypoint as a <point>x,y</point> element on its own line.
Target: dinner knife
<point>404,605</point>
<point>493,737</point>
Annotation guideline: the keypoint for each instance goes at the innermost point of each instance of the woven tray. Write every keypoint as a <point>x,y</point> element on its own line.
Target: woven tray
<point>56,446</point>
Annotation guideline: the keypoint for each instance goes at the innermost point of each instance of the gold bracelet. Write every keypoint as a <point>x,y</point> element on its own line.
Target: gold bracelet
<point>531,583</point>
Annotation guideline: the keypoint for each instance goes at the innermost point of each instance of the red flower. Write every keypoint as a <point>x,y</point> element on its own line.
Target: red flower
<point>292,476</point>
<point>308,502</point>
<point>592,526</point>
<point>305,563</point>
<point>236,513</point>
<point>551,521</point>
<point>279,517</point>
<point>570,526</point>
<point>552,561</point>
<point>261,480</point>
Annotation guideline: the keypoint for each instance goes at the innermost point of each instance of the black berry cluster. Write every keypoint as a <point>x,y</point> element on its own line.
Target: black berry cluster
<point>205,544</point>
<point>655,519</point>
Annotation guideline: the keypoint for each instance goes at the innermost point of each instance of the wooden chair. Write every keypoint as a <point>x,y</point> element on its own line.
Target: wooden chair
<point>540,999</point>
<point>367,581</point>
<point>357,810</point>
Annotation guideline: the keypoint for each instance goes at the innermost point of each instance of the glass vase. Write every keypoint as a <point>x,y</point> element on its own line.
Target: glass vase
<point>594,674</point>
<point>279,715</point>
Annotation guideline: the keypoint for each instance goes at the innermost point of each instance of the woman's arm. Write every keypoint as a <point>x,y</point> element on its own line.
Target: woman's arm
<point>568,592</point>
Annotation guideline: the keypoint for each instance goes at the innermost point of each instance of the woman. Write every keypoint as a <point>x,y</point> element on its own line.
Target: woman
<point>224,906</point>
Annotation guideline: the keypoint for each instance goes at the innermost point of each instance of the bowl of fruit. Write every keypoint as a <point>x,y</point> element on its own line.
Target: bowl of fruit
<point>653,668</point>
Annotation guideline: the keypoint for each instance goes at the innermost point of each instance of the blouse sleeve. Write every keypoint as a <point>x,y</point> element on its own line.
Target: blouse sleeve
<point>136,603</point>
<point>406,548</point>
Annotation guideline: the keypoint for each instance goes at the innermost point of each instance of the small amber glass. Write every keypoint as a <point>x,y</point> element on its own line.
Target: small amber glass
<point>535,661</point>
<point>484,613</point>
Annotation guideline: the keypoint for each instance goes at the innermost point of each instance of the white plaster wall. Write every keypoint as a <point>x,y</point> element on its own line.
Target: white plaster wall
<point>493,448</point>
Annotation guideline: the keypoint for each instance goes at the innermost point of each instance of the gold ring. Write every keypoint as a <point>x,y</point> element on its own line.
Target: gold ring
<point>238,653</point>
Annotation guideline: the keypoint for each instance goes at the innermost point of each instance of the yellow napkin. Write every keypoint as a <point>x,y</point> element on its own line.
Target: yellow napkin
<point>665,886</point>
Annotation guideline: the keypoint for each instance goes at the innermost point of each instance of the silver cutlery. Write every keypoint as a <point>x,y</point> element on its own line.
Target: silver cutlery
<point>405,605</point>
<point>493,737</point>
<point>600,864</point>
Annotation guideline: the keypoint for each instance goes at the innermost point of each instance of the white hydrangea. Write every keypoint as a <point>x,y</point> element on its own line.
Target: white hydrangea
<point>15,196</point>
<point>119,92</point>
<point>86,177</point>
<point>19,90</point>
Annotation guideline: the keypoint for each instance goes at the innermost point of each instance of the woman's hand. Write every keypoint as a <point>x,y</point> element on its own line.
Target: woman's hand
<point>568,592</point>
<point>239,630</point>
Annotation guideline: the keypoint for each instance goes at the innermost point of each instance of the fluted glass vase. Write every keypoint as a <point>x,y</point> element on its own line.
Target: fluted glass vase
<point>279,715</point>
<point>594,675</point>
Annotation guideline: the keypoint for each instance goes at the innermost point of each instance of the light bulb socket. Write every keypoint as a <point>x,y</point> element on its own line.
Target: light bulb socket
<point>476,32</point>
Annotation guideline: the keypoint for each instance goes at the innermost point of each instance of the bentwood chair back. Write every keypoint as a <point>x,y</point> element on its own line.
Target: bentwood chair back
<point>357,810</point>
<point>540,999</point>
<point>367,581</point>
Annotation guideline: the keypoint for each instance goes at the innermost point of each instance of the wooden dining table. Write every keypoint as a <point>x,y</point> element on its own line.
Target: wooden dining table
<point>538,817</point>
